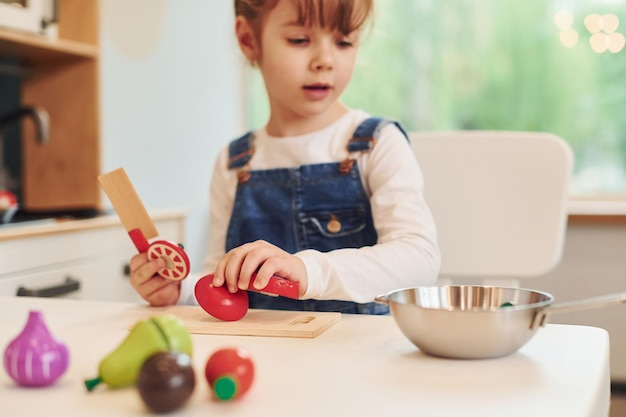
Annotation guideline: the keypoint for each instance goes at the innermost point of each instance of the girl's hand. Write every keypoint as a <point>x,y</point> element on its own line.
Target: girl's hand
<point>152,287</point>
<point>237,266</point>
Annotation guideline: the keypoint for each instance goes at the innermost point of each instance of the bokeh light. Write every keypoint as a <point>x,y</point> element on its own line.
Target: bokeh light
<point>563,19</point>
<point>604,35</point>
<point>610,23</point>
<point>569,37</point>
<point>616,42</point>
<point>593,23</point>
<point>598,42</point>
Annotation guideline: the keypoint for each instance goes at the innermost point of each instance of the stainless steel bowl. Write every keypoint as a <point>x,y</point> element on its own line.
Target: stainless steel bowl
<point>476,322</point>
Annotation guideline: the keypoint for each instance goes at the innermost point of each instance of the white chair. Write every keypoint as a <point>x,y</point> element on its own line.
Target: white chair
<point>499,200</point>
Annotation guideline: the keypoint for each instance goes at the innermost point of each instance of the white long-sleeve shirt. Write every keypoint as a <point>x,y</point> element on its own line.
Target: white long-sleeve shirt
<point>406,255</point>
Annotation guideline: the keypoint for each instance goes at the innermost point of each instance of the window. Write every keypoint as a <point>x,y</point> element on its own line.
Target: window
<point>557,66</point>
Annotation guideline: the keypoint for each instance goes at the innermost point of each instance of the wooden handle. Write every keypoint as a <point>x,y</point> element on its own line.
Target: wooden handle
<point>126,203</point>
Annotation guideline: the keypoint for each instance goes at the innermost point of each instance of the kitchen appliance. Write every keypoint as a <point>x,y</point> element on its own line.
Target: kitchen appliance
<point>476,322</point>
<point>8,200</point>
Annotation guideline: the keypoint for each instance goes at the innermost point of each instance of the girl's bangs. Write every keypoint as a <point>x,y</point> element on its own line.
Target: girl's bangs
<point>344,16</point>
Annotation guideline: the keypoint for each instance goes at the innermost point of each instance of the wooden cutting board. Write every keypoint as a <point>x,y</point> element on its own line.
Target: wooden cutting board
<point>304,324</point>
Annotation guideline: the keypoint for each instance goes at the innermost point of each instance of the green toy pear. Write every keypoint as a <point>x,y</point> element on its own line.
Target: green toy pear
<point>160,333</point>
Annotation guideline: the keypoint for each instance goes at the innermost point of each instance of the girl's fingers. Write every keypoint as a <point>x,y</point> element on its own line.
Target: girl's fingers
<point>231,271</point>
<point>273,265</point>
<point>286,266</point>
<point>230,262</point>
<point>163,293</point>
<point>254,260</point>
<point>142,270</point>
<point>218,274</point>
<point>236,268</point>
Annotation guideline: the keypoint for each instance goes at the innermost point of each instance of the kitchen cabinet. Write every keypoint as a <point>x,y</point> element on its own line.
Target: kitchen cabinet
<point>94,253</point>
<point>61,174</point>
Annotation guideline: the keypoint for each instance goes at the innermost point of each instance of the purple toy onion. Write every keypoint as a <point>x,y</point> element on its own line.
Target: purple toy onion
<point>35,358</point>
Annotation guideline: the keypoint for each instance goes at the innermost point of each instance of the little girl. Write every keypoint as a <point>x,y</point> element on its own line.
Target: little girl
<point>322,195</point>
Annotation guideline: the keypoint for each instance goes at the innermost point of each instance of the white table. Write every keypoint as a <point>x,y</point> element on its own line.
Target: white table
<point>362,366</point>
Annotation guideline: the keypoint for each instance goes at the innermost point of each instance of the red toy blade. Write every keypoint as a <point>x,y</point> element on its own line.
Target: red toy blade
<point>278,286</point>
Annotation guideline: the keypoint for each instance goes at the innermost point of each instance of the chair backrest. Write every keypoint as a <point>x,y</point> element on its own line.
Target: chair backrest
<point>499,200</point>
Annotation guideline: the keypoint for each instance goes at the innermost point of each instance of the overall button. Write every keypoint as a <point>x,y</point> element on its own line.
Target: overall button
<point>334,225</point>
<point>243,176</point>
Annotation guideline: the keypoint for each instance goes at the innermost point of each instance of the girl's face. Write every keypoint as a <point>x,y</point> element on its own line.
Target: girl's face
<point>305,69</point>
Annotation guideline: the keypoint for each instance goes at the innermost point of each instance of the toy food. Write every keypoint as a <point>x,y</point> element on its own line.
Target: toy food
<point>227,306</point>
<point>220,303</point>
<point>229,372</point>
<point>159,333</point>
<point>166,381</point>
<point>35,358</point>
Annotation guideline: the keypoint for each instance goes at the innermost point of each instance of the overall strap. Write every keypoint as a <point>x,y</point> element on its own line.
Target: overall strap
<point>240,152</point>
<point>364,138</point>
<point>367,132</point>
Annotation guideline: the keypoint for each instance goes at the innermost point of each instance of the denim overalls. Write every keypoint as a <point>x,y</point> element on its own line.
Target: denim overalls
<point>319,206</point>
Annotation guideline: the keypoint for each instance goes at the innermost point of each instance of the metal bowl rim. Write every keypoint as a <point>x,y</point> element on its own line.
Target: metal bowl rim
<point>545,303</point>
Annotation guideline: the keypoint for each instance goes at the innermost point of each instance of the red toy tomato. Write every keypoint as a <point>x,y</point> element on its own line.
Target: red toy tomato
<point>229,372</point>
<point>220,303</point>
<point>176,260</point>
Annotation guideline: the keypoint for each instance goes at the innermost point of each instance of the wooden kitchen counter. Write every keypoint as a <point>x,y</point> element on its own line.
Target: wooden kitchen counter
<point>361,366</point>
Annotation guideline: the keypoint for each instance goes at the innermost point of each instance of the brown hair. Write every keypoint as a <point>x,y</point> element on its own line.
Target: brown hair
<point>344,16</point>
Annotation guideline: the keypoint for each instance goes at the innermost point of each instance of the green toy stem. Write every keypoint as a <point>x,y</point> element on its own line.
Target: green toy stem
<point>92,383</point>
<point>225,388</point>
